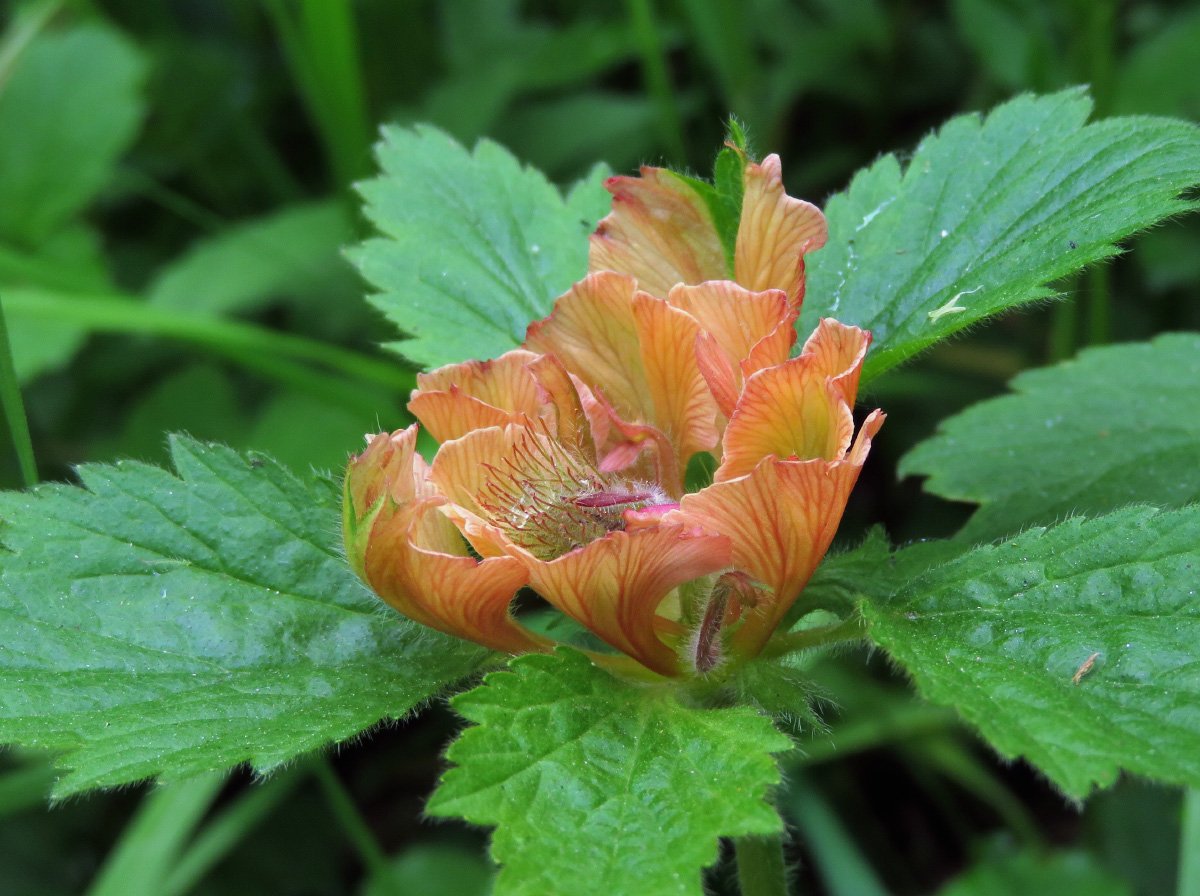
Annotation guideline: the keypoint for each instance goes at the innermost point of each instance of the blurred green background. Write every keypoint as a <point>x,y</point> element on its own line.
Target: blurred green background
<point>175,192</point>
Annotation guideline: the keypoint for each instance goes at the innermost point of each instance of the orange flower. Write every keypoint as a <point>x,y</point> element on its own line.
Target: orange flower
<point>561,466</point>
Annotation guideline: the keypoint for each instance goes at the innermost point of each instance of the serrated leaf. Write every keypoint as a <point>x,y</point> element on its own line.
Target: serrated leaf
<point>88,76</point>
<point>1116,425</point>
<point>598,786</point>
<point>159,624</point>
<point>473,248</point>
<point>987,213</point>
<point>1074,646</point>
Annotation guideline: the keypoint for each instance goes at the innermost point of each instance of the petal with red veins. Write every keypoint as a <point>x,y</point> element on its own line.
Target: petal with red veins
<point>800,409</point>
<point>684,409</point>
<point>774,232</point>
<point>660,231</point>
<point>457,398</point>
<point>451,592</point>
<point>781,519</point>
<point>614,585</point>
<point>593,332</point>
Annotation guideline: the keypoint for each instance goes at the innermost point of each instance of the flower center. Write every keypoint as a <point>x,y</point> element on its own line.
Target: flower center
<point>549,501</point>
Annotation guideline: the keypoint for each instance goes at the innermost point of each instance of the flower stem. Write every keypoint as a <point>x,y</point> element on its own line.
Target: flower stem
<point>761,869</point>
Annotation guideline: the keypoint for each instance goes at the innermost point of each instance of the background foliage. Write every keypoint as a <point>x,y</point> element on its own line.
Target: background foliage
<point>175,198</point>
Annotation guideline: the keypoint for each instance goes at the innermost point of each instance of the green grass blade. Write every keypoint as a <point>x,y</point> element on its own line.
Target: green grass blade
<point>14,408</point>
<point>1189,846</point>
<point>149,845</point>
<point>226,830</point>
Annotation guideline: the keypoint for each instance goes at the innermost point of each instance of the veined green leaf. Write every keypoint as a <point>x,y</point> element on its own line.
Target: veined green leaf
<point>1116,425</point>
<point>159,624</point>
<point>473,248</point>
<point>987,213</point>
<point>598,786</point>
<point>1074,646</point>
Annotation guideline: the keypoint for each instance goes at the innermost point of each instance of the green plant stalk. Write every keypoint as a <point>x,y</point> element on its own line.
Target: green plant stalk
<point>761,869</point>
<point>149,844</point>
<point>348,817</point>
<point>226,830</point>
<point>1189,846</point>
<point>1099,306</point>
<point>658,82</point>
<point>839,861</point>
<point>14,408</point>
<point>1064,325</point>
<point>123,314</point>
<point>322,50</point>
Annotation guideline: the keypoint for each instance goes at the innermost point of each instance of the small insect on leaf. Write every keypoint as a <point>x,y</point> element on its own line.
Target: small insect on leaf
<point>1085,668</point>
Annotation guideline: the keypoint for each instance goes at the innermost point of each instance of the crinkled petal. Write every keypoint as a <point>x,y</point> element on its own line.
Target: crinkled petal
<point>457,398</point>
<point>774,232</point>
<point>593,332</point>
<point>614,585</point>
<point>684,409</point>
<point>839,350</point>
<point>781,519</point>
<point>743,332</point>
<point>659,231</point>
<point>384,472</point>
<point>450,592</point>
<point>800,409</point>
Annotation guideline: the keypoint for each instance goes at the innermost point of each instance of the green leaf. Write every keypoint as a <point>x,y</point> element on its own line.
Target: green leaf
<point>288,253</point>
<point>168,625</point>
<point>988,212</point>
<point>1115,426</point>
<point>1074,646</point>
<point>69,108</point>
<point>598,786</point>
<point>1035,874</point>
<point>474,245</point>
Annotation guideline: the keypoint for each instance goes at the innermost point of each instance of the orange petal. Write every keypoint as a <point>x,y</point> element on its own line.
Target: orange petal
<point>744,332</point>
<point>774,232</point>
<point>560,392</point>
<point>840,351</point>
<point>781,519</point>
<point>593,332</point>
<point>659,231</point>
<point>455,399</point>
<point>684,409</point>
<point>615,585</point>
<point>384,470</point>
<point>451,592</point>
<point>800,409</point>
